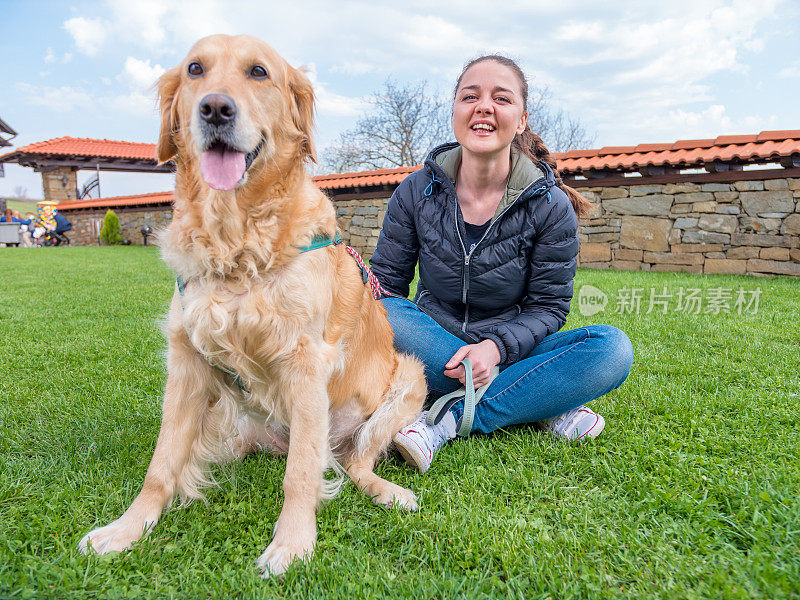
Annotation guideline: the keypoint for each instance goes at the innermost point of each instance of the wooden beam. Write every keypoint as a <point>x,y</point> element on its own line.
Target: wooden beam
<point>790,162</point>
<point>383,192</point>
<point>721,177</point>
<point>719,166</point>
<point>140,166</point>
<point>651,170</point>
<point>596,174</point>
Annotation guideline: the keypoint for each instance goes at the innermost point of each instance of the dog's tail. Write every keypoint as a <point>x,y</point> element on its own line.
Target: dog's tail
<point>400,406</point>
<point>332,487</point>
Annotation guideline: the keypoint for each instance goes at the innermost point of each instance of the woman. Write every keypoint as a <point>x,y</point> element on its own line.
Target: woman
<point>495,233</point>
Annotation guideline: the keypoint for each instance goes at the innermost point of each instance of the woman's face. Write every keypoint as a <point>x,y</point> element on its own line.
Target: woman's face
<point>489,109</point>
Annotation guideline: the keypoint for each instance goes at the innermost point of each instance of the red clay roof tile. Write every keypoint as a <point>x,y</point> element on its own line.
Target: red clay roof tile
<point>684,144</point>
<point>735,139</point>
<point>767,146</point>
<point>112,201</point>
<point>91,147</point>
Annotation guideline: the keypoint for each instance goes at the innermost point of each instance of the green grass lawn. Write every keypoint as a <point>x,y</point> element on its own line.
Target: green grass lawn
<point>691,491</point>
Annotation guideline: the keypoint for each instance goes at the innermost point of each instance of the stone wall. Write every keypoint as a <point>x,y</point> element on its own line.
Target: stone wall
<point>742,227</point>
<point>360,222</point>
<point>86,224</point>
<point>60,184</point>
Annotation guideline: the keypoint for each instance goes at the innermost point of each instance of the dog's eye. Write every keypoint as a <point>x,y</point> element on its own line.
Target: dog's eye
<point>258,72</point>
<point>195,69</point>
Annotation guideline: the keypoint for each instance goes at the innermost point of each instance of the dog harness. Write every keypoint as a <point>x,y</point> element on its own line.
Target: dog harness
<point>318,241</point>
<point>367,276</point>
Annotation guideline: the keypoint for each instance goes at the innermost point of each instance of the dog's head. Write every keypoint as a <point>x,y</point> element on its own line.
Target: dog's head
<point>231,103</point>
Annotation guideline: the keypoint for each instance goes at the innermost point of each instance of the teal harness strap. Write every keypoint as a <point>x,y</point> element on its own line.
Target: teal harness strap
<point>471,398</point>
<point>320,241</point>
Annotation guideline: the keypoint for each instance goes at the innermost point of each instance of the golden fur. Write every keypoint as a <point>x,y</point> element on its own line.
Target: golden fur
<point>312,347</point>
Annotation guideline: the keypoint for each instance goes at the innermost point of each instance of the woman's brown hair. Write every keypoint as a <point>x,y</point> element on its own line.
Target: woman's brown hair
<point>528,142</point>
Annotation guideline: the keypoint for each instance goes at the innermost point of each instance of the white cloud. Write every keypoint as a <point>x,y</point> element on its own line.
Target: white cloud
<point>139,75</point>
<point>89,34</point>
<point>59,99</point>
<point>143,19</point>
<point>155,25</point>
<point>355,68</point>
<point>709,122</point>
<point>135,103</point>
<point>790,71</point>
<point>51,57</point>
<point>631,71</point>
<point>330,103</point>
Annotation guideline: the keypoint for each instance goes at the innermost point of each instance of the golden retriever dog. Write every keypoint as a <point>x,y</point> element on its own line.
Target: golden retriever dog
<point>269,346</point>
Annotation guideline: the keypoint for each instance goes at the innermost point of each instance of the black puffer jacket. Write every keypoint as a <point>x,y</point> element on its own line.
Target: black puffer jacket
<point>515,286</point>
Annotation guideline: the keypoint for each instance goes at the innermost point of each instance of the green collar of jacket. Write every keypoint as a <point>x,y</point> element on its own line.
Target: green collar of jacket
<point>523,173</point>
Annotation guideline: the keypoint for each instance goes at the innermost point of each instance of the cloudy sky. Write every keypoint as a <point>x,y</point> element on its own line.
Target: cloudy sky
<point>632,72</point>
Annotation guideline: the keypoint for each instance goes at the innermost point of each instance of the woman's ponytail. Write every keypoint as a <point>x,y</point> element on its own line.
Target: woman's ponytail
<point>533,147</point>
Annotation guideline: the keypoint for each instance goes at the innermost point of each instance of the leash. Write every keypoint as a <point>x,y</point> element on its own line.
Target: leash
<point>471,398</point>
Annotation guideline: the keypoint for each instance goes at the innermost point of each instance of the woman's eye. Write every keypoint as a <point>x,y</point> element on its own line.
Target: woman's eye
<point>502,99</point>
<point>195,69</point>
<point>469,97</point>
<point>258,72</point>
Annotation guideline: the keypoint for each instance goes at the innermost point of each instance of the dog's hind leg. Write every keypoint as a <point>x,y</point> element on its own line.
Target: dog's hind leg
<point>185,442</point>
<point>401,406</point>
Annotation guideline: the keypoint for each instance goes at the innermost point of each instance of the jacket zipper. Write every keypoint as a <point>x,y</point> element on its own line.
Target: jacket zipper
<point>468,255</point>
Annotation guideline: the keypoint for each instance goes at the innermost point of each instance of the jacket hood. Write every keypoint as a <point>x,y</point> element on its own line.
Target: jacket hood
<point>446,159</point>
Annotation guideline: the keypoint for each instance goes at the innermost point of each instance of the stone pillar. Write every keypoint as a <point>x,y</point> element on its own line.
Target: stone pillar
<point>59,184</point>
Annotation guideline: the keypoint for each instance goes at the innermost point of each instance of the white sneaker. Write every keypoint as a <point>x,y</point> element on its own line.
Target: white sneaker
<point>419,441</point>
<point>577,424</point>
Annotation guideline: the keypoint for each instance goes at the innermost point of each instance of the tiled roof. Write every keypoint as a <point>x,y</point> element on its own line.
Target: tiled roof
<point>112,201</point>
<point>767,146</point>
<point>70,146</point>
<point>364,178</point>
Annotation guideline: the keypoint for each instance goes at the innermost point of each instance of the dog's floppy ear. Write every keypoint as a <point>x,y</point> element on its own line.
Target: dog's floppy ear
<point>303,110</point>
<point>167,86</point>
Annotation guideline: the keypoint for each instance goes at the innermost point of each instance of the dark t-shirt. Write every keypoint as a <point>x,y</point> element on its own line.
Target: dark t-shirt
<point>475,233</point>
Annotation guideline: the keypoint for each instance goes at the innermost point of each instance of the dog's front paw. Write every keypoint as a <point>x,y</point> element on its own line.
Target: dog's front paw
<point>278,557</point>
<point>394,496</point>
<point>114,537</point>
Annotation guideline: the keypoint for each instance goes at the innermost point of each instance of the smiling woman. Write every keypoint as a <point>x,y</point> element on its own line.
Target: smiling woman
<point>494,230</point>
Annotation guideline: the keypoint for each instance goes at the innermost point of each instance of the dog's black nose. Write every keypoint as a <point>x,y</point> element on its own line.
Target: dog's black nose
<point>217,109</point>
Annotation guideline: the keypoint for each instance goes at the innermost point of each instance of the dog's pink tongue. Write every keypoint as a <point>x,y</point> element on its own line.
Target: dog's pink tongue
<point>222,168</point>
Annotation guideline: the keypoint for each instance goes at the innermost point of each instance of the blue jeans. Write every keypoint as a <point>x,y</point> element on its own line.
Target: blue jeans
<point>567,369</point>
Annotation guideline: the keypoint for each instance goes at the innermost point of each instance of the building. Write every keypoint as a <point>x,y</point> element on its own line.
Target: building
<point>724,205</point>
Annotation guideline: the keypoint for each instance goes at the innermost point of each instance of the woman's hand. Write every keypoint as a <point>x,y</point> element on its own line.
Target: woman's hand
<point>484,357</point>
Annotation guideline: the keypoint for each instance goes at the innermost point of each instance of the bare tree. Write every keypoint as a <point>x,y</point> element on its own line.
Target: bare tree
<point>20,192</point>
<point>559,131</point>
<point>405,122</point>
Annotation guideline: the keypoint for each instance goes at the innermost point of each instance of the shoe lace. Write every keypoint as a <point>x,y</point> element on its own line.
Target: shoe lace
<point>433,435</point>
<point>565,422</point>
